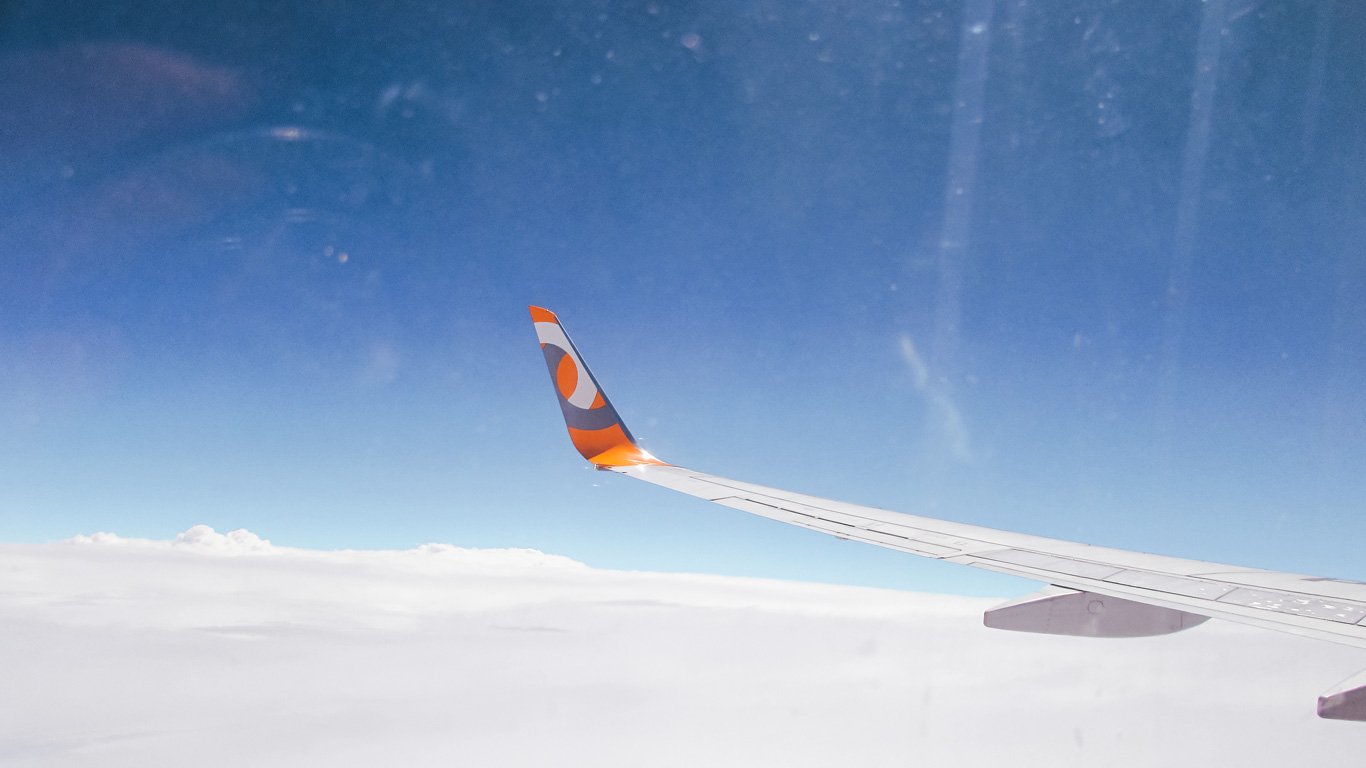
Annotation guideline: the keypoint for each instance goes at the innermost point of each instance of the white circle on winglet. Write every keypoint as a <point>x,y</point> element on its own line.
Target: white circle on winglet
<point>584,392</point>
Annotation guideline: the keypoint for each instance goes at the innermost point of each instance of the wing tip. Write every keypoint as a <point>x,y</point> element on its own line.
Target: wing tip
<point>542,315</point>
<point>595,427</point>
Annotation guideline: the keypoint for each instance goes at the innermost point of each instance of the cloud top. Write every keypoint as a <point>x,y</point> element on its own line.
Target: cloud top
<point>203,539</point>
<point>120,651</point>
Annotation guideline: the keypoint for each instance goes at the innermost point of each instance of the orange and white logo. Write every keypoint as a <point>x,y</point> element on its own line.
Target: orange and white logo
<point>594,426</point>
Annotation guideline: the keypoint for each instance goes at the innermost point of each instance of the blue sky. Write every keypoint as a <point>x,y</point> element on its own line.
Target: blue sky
<point>269,268</point>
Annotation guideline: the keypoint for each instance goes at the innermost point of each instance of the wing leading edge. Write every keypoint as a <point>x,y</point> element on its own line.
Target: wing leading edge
<point>1093,591</point>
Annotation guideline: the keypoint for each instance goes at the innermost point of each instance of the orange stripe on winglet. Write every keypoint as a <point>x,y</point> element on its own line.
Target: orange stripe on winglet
<point>539,315</point>
<point>610,447</point>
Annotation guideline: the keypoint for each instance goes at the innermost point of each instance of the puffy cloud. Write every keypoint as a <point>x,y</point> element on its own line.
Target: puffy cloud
<point>125,651</point>
<point>205,540</point>
<point>200,538</point>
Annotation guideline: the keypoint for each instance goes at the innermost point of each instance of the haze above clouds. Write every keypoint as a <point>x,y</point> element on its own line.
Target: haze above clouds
<point>222,649</point>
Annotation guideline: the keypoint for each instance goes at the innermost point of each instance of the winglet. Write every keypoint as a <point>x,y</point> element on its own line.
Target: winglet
<point>594,426</point>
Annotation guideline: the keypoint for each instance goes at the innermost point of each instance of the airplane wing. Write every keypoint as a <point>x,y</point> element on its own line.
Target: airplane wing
<point>1092,591</point>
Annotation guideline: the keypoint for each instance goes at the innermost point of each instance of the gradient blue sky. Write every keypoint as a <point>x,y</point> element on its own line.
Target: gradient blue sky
<point>267,266</point>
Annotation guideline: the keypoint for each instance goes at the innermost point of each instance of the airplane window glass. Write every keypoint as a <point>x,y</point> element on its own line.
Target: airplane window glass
<point>1090,269</point>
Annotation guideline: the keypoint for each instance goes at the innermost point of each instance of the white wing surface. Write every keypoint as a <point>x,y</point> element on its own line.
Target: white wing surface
<point>1092,591</point>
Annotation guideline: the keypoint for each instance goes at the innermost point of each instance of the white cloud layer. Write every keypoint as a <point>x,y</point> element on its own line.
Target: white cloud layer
<point>225,650</point>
